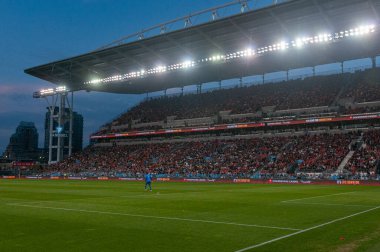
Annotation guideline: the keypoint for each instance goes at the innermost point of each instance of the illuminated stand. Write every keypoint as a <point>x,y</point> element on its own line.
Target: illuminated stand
<point>60,115</point>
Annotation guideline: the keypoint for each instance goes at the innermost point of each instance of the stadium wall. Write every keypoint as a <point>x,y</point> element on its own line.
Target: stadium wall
<point>225,181</point>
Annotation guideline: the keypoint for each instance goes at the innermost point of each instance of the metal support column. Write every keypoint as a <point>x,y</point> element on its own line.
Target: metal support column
<point>71,109</point>
<point>199,89</point>
<point>61,123</point>
<point>373,62</point>
<point>51,107</point>
<point>58,118</point>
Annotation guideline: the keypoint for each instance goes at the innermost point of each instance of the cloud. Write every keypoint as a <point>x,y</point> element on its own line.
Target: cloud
<point>18,98</point>
<point>6,89</point>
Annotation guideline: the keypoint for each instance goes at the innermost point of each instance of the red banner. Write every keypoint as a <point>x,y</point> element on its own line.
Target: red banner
<point>19,163</point>
<point>242,126</point>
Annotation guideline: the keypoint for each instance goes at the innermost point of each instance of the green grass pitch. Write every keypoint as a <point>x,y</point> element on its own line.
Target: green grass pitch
<point>120,216</point>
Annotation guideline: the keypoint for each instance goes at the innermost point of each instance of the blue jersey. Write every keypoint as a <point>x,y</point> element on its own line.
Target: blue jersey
<point>148,178</point>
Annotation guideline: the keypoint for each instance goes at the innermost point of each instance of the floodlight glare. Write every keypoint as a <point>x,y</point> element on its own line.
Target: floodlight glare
<point>95,81</point>
<point>298,42</point>
<point>60,89</point>
<point>186,64</point>
<point>48,91</point>
<point>282,45</point>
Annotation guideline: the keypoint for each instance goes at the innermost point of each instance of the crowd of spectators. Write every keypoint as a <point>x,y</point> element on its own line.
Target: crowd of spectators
<point>239,158</point>
<point>364,87</point>
<point>364,162</point>
<point>310,92</point>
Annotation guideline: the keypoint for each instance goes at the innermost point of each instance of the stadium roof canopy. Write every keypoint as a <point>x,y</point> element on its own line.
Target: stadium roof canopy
<point>256,28</point>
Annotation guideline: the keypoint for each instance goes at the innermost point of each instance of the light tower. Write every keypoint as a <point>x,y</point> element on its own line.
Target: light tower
<point>60,100</point>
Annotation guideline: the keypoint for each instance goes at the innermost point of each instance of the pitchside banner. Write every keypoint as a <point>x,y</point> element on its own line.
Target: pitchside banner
<point>242,181</point>
<point>33,177</point>
<point>163,179</point>
<point>9,177</point>
<point>348,182</point>
<point>289,181</point>
<point>198,180</point>
<point>131,179</point>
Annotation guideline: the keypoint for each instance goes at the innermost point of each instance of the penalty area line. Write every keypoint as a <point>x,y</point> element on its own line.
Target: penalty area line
<point>329,204</point>
<point>151,216</point>
<point>315,197</point>
<point>306,230</point>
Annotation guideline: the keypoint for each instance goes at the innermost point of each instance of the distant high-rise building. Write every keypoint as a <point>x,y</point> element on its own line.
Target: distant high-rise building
<point>77,138</point>
<point>23,145</point>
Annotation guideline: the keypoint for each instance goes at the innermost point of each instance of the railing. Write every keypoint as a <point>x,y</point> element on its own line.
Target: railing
<point>196,18</point>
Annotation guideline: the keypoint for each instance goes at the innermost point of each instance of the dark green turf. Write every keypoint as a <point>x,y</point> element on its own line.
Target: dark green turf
<point>121,216</point>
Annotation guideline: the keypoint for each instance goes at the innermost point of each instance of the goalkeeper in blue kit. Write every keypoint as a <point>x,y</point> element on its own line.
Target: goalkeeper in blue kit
<point>148,181</point>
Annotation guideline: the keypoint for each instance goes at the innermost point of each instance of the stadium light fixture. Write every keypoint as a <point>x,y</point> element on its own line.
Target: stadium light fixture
<point>50,91</point>
<point>61,89</point>
<point>298,42</point>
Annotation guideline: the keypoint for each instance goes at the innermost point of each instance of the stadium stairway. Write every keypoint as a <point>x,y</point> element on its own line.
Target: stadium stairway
<point>344,162</point>
<point>354,145</point>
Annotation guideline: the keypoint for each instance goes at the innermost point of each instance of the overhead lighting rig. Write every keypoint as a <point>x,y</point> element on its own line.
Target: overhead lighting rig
<point>222,58</point>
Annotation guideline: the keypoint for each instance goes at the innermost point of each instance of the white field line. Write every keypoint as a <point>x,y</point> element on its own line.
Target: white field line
<point>134,196</point>
<point>315,197</point>
<point>151,216</point>
<point>152,194</point>
<point>307,229</point>
<point>147,194</point>
<point>328,204</point>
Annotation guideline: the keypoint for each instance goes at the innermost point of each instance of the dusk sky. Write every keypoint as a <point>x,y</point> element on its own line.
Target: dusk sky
<point>35,32</point>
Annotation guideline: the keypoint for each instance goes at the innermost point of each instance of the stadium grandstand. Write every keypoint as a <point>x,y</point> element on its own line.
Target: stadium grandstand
<point>319,126</point>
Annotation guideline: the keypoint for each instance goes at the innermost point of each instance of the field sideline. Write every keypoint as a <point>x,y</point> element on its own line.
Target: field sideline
<point>120,216</point>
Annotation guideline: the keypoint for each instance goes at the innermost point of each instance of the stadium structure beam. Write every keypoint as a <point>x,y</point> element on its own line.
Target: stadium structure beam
<point>107,62</point>
<point>322,12</point>
<point>204,35</point>
<point>241,30</point>
<point>67,72</point>
<point>377,15</point>
<point>144,46</point>
<point>51,78</point>
<point>128,56</point>
<point>170,39</point>
<point>279,22</point>
<point>90,69</point>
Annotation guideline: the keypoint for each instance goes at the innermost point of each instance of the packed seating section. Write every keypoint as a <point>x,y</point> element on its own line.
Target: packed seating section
<point>239,158</point>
